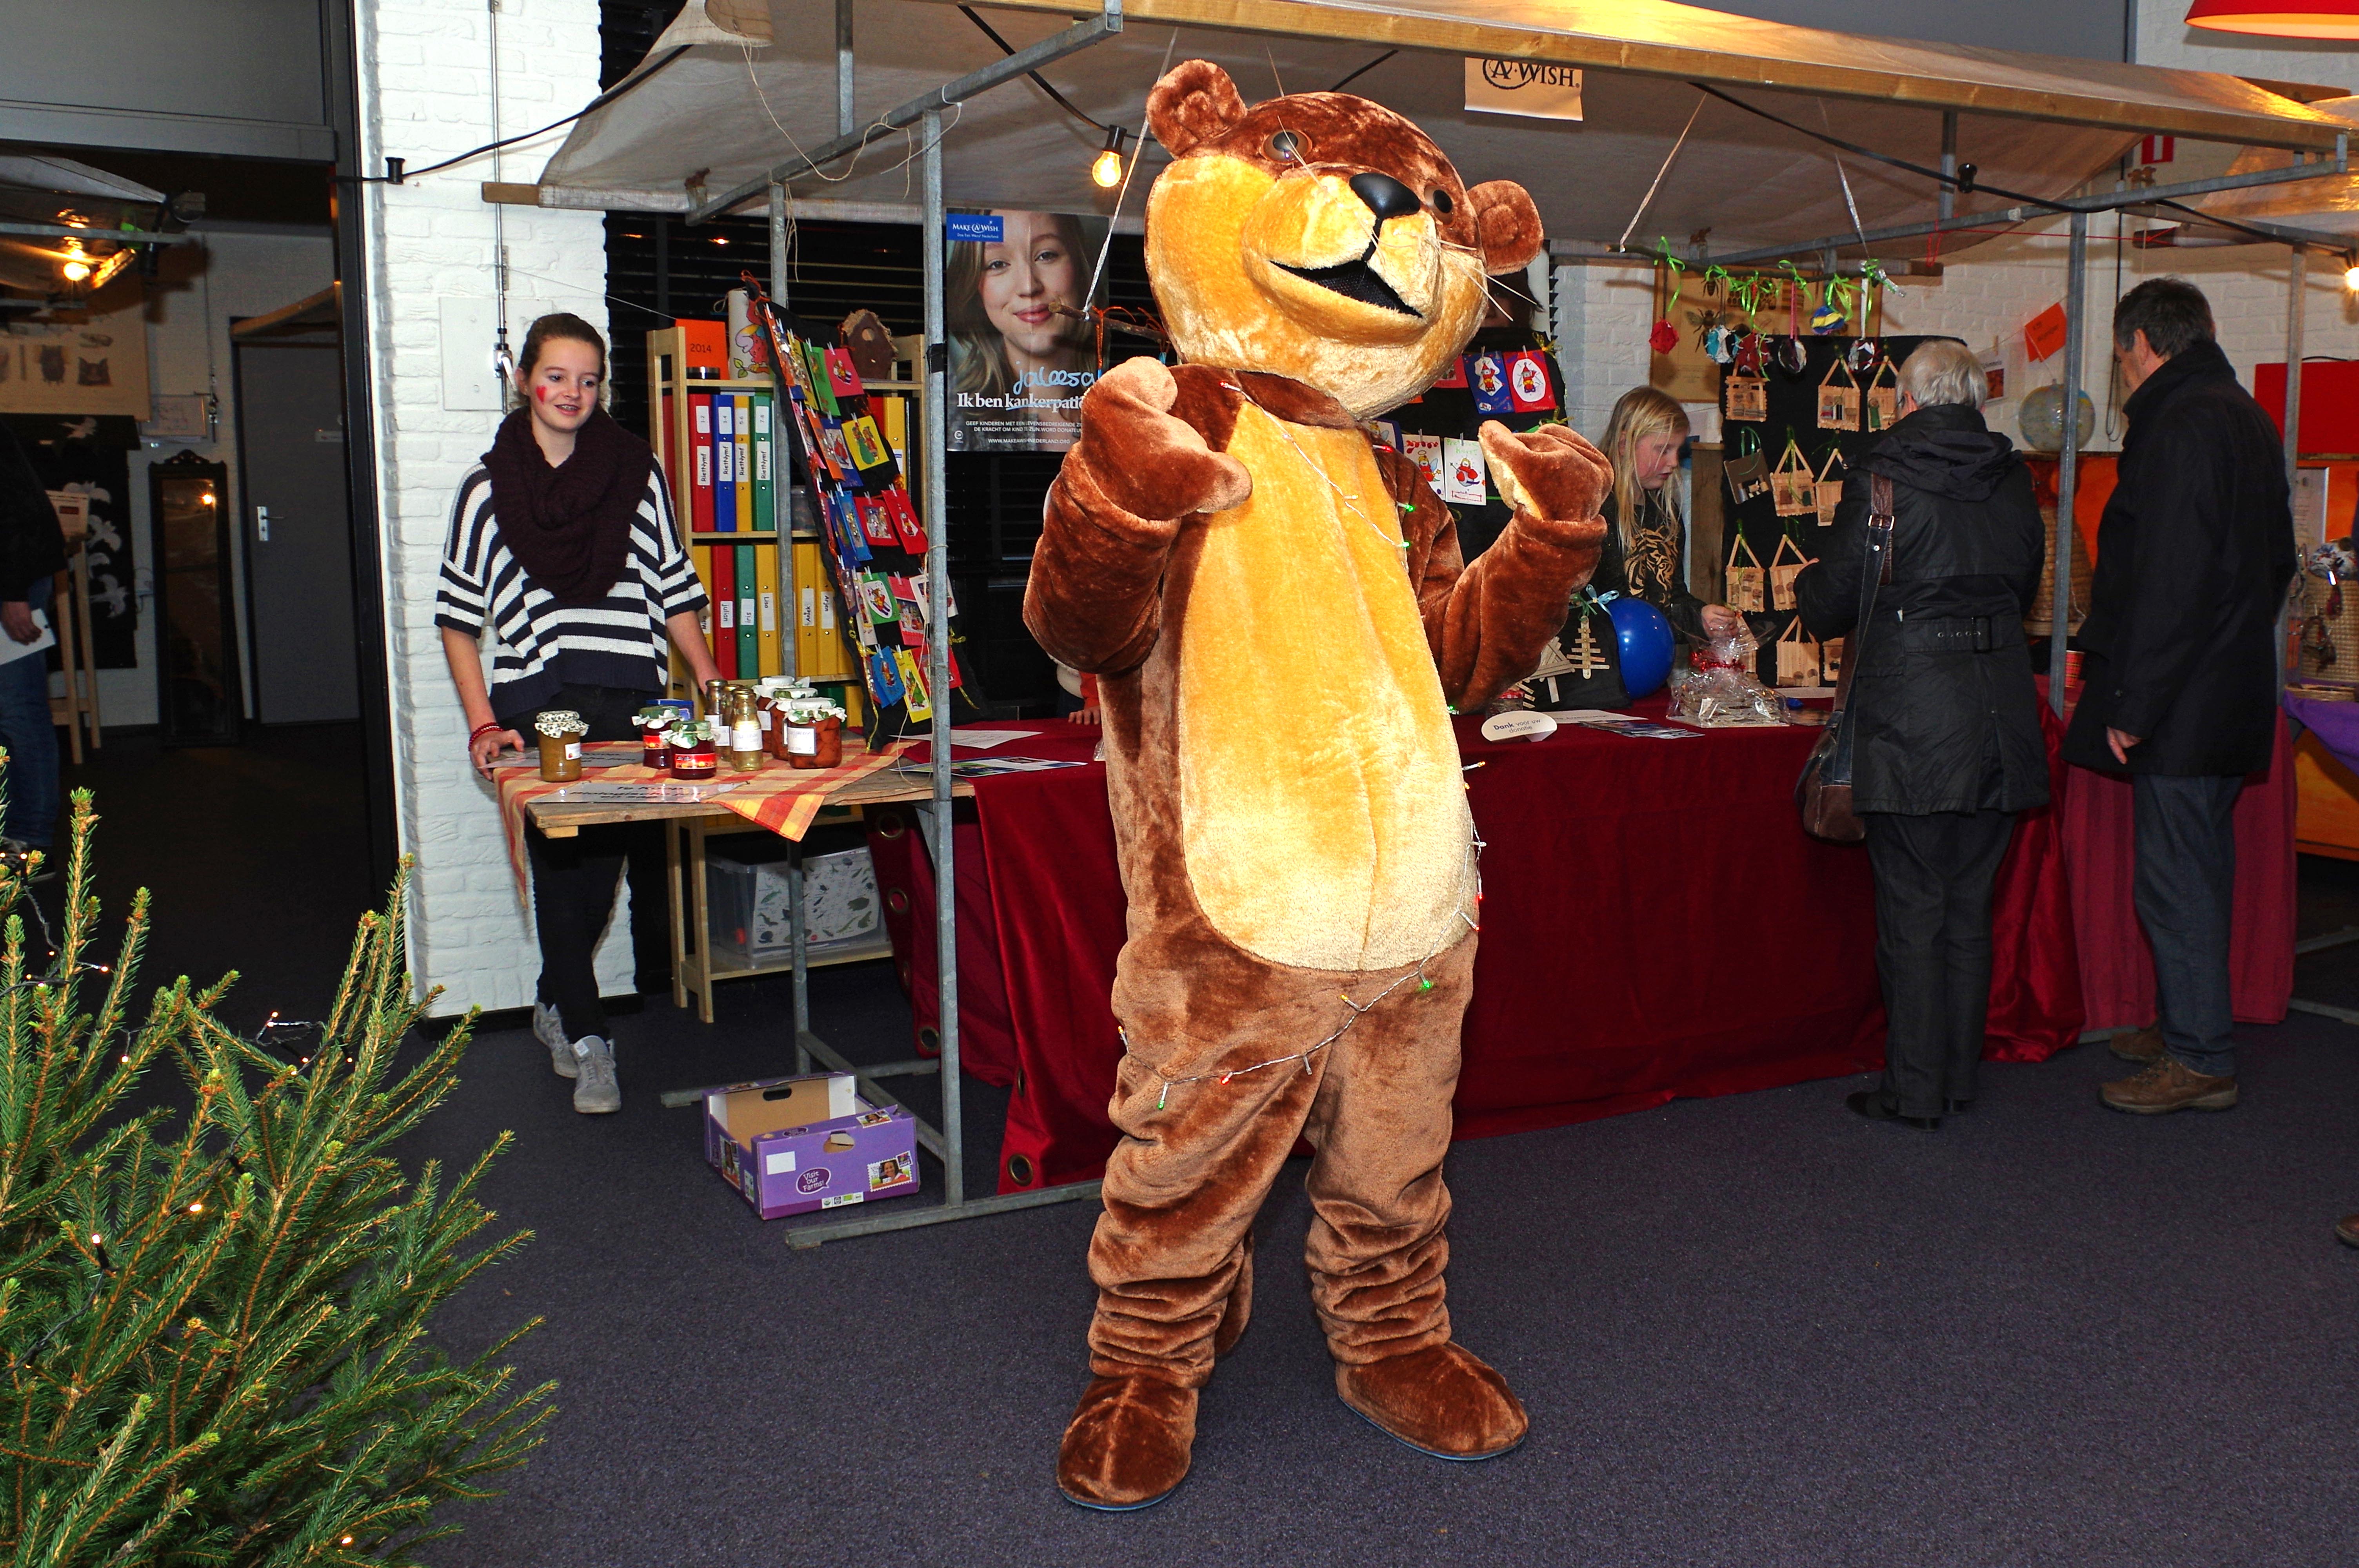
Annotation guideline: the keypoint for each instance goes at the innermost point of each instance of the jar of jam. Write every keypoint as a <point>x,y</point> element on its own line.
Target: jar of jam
<point>814,732</point>
<point>560,731</point>
<point>693,754</point>
<point>655,722</point>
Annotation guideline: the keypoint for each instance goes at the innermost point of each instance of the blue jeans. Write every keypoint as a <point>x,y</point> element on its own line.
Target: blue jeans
<point>2185,893</point>
<point>26,730</point>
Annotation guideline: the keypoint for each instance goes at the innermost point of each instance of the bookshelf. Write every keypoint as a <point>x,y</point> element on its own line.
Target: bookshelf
<point>800,625</point>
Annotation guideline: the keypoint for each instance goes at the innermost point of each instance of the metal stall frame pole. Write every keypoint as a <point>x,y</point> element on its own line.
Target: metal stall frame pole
<point>844,125</point>
<point>948,1143</point>
<point>2297,303</point>
<point>2068,459</point>
<point>937,661</point>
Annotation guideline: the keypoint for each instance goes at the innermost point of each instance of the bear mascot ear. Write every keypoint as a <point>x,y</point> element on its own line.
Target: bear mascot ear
<point>1194,103</point>
<point>1507,225</point>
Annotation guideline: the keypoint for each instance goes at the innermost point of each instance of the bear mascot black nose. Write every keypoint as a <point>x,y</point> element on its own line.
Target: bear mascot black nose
<point>1384,196</point>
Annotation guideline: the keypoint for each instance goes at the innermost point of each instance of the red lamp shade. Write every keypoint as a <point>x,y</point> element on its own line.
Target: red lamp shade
<point>2278,19</point>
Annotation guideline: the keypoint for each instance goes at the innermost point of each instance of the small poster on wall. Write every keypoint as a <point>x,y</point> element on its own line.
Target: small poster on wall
<point>91,361</point>
<point>1022,349</point>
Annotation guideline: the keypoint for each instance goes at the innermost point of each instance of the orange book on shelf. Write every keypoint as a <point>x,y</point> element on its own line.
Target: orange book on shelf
<point>704,349</point>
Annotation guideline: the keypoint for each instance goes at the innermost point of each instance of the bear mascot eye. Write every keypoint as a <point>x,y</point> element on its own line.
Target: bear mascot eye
<point>1287,148</point>
<point>1441,203</point>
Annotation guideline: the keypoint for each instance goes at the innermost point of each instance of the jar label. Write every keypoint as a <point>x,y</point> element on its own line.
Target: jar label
<point>693,762</point>
<point>765,718</point>
<point>745,738</point>
<point>573,751</point>
<point>801,740</point>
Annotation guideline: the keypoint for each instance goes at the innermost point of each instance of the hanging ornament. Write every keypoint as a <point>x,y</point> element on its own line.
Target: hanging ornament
<point>1666,337</point>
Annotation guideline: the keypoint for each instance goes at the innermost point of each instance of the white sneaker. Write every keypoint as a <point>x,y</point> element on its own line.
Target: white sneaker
<point>595,1091</point>
<point>549,1028</point>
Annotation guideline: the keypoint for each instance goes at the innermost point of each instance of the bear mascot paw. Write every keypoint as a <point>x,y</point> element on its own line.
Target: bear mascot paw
<point>1225,545</point>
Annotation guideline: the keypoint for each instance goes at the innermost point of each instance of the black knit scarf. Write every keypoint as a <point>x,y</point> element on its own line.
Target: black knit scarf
<point>569,526</point>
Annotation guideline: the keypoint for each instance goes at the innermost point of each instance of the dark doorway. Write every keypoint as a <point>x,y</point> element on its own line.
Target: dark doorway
<point>295,514</point>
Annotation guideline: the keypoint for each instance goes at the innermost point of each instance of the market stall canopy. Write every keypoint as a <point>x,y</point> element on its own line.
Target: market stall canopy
<point>45,193</point>
<point>2329,204</point>
<point>720,115</point>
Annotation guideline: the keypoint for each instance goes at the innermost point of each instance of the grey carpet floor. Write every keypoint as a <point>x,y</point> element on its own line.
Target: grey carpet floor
<point>1751,1331</point>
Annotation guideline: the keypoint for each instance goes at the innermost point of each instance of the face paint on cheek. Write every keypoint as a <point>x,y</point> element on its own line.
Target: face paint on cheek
<point>540,393</point>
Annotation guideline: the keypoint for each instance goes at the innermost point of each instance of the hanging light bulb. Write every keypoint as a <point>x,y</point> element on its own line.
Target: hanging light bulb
<point>2350,273</point>
<point>76,270</point>
<point>1105,170</point>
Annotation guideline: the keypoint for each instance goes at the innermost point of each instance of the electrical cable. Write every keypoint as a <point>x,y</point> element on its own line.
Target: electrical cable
<point>620,87</point>
<point>1900,163</point>
<point>1364,71</point>
<point>1037,80</point>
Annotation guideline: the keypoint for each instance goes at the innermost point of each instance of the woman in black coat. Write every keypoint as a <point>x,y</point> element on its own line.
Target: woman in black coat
<point>1947,746</point>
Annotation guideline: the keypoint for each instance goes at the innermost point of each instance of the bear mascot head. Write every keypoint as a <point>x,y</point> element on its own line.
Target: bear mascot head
<point>1321,237</point>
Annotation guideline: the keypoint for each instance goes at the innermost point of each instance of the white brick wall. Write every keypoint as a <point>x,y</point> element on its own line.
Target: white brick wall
<point>425,97</point>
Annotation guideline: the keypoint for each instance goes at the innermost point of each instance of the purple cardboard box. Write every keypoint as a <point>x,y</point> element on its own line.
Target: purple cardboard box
<point>792,1145</point>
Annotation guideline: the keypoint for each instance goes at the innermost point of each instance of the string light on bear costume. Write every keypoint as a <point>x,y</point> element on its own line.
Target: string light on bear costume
<point>1359,1010</point>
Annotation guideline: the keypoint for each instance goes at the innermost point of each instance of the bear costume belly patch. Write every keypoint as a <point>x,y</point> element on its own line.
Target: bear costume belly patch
<point>1323,817</point>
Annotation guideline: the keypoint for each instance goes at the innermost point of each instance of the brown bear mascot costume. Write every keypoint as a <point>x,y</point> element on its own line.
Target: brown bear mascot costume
<point>1264,595</point>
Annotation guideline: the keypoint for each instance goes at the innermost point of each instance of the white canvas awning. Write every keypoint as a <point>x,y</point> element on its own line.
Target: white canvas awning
<point>721,115</point>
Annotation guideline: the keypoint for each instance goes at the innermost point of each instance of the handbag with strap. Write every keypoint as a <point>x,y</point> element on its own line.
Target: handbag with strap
<point>1823,794</point>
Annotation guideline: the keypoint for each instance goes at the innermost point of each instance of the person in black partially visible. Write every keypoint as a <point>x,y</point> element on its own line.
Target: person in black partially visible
<point>2179,672</point>
<point>1946,717</point>
<point>32,552</point>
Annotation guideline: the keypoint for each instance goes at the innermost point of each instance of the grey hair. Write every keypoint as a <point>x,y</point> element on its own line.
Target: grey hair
<point>1942,372</point>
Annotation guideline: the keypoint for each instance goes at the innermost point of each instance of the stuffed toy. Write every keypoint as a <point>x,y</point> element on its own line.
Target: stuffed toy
<point>1280,623</point>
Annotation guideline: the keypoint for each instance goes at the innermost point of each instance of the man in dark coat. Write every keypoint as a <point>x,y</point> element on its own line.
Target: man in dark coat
<point>1944,716</point>
<point>2181,667</point>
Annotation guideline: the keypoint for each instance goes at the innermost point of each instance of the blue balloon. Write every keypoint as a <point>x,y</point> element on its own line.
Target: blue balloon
<point>1647,644</point>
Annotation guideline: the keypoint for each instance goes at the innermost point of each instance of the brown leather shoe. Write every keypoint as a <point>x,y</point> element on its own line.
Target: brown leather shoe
<point>1441,1400</point>
<point>1128,1444</point>
<point>2139,1045</point>
<point>2347,1230</point>
<point>2170,1085</point>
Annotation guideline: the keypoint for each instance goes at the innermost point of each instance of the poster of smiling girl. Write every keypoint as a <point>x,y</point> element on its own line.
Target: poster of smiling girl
<point>1021,353</point>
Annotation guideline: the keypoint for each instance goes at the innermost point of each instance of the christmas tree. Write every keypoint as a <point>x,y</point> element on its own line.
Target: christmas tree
<point>214,1322</point>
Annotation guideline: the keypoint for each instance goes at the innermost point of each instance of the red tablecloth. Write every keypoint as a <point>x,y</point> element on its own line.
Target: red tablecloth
<point>1655,924</point>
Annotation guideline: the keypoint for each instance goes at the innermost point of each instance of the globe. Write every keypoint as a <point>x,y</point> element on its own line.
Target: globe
<point>1646,644</point>
<point>2041,418</point>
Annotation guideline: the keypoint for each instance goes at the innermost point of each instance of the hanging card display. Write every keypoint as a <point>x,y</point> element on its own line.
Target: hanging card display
<point>1829,489</point>
<point>1745,469</point>
<point>1747,587</point>
<point>1798,655</point>
<point>1527,383</point>
<point>1462,471</point>
<point>1839,399</point>
<point>913,686</point>
<point>843,376</point>
<point>1792,487</point>
<point>1784,566</point>
<point>1884,398</point>
<point>1486,377</point>
<point>1425,451</point>
<point>1454,373</point>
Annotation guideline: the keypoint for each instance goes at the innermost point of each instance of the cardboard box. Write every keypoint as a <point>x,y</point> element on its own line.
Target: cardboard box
<point>792,1145</point>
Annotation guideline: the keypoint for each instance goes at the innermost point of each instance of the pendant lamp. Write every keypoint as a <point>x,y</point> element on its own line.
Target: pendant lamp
<point>2278,19</point>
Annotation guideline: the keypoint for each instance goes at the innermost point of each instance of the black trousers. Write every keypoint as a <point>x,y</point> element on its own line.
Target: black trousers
<point>574,880</point>
<point>2185,891</point>
<point>1933,876</point>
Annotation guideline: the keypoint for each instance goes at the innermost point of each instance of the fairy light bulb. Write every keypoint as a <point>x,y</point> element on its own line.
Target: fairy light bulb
<point>75,271</point>
<point>1105,170</point>
<point>2351,278</point>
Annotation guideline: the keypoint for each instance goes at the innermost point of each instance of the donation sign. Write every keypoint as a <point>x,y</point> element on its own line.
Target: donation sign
<point>1022,349</point>
<point>1536,88</point>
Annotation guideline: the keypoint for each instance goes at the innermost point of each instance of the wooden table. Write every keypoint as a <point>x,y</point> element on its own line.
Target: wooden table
<point>694,967</point>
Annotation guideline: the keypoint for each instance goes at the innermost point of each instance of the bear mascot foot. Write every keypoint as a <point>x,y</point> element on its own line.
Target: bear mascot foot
<point>1441,1400</point>
<point>1128,1444</point>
